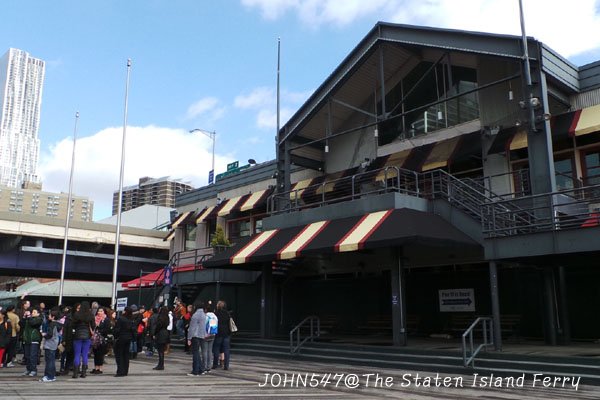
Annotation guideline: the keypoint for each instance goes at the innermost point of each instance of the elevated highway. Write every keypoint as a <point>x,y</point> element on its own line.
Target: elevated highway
<point>33,246</point>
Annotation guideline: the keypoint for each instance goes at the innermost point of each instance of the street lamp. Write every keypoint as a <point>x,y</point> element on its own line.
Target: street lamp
<point>213,136</point>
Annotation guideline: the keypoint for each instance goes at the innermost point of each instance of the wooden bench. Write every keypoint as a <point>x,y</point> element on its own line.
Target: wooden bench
<point>509,324</point>
<point>383,324</point>
<point>328,324</point>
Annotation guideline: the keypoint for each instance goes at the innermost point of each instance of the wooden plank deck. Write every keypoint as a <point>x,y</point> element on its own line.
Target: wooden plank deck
<point>245,380</point>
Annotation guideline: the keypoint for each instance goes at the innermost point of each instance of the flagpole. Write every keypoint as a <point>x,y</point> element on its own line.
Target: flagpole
<point>119,205</point>
<point>68,218</point>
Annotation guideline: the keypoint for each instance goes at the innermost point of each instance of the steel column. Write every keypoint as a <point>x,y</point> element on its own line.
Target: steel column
<point>265,301</point>
<point>549,308</point>
<point>398,300</point>
<point>495,306</point>
<point>565,321</point>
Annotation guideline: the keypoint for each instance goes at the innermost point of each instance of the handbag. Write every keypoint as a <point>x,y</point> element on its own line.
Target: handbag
<point>97,339</point>
<point>232,326</point>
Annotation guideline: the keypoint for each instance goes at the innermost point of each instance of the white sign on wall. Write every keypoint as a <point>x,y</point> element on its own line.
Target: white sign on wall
<point>121,304</point>
<point>457,300</point>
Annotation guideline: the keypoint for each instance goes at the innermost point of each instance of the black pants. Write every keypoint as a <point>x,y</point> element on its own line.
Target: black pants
<point>11,349</point>
<point>99,355</point>
<point>161,354</point>
<point>121,351</point>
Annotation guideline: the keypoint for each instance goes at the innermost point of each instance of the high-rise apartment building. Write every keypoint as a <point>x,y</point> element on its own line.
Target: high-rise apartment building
<point>21,83</point>
<point>160,192</point>
<point>30,199</point>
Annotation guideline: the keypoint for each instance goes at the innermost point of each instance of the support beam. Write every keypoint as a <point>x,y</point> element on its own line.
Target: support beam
<point>549,308</point>
<point>565,322</point>
<point>398,300</point>
<point>342,103</point>
<point>265,301</point>
<point>495,306</point>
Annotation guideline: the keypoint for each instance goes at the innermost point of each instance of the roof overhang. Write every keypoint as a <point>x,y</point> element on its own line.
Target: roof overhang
<point>390,51</point>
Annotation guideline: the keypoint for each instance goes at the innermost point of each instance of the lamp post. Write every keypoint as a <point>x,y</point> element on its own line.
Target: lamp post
<point>213,136</point>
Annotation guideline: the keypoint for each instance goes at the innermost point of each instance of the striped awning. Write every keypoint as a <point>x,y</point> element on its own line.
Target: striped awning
<point>204,214</point>
<point>182,219</point>
<point>393,160</point>
<point>440,155</point>
<point>373,230</point>
<point>256,200</point>
<point>585,121</point>
<point>231,205</point>
<point>564,126</point>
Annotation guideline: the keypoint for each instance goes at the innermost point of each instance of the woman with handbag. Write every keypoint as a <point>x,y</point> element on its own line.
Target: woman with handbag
<point>223,336</point>
<point>83,326</point>
<point>99,339</point>
<point>160,335</point>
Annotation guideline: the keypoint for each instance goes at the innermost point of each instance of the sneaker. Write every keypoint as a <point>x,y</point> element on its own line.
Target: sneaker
<point>33,373</point>
<point>10,365</point>
<point>192,374</point>
<point>204,372</point>
<point>26,373</point>
<point>46,379</point>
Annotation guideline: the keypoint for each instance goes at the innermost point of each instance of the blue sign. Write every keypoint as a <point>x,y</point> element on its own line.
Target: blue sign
<point>211,176</point>
<point>168,275</point>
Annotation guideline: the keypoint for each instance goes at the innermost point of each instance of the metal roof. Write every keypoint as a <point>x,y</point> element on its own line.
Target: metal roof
<point>355,82</point>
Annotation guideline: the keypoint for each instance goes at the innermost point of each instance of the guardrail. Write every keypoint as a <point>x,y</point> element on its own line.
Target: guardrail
<point>296,341</point>
<point>560,210</point>
<point>469,353</point>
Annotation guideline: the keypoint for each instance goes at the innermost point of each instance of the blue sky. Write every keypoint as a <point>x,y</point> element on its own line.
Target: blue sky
<point>212,65</point>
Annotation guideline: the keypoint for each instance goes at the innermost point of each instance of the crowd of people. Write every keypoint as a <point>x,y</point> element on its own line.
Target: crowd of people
<point>69,335</point>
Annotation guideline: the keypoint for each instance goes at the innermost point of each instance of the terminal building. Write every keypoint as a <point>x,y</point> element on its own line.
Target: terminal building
<point>435,176</point>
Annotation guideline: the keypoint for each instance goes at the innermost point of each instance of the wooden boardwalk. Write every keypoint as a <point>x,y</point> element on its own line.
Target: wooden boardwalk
<point>246,379</point>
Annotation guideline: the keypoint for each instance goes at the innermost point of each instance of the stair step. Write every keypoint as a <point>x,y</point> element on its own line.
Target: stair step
<point>433,360</point>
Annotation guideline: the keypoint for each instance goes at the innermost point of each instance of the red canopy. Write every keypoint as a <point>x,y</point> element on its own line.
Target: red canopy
<point>155,278</point>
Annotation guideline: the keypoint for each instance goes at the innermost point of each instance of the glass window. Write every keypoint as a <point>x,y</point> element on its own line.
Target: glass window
<point>564,174</point>
<point>592,168</point>
<point>239,228</point>
<point>190,237</point>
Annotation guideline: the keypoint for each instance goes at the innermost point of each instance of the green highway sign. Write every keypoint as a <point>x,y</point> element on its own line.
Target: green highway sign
<point>232,171</point>
<point>233,166</point>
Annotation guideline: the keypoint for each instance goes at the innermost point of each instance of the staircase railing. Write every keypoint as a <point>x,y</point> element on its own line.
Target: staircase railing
<point>313,323</point>
<point>470,352</point>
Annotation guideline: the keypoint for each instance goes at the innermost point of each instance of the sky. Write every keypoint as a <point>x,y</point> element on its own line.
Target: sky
<point>212,65</point>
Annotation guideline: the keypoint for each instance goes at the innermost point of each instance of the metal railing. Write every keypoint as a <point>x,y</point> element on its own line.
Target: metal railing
<point>500,215</point>
<point>296,341</point>
<point>560,210</point>
<point>470,352</point>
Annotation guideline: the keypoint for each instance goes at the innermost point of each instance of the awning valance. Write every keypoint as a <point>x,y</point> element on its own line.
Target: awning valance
<point>441,153</point>
<point>586,121</point>
<point>373,230</point>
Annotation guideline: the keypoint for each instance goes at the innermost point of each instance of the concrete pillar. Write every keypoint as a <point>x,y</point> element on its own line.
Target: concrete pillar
<point>202,235</point>
<point>398,301</point>
<point>495,306</point>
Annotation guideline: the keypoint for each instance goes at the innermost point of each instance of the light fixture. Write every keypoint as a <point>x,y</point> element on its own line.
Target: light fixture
<point>510,92</point>
<point>376,132</point>
<point>326,148</point>
<point>252,161</point>
<point>440,115</point>
<point>517,123</point>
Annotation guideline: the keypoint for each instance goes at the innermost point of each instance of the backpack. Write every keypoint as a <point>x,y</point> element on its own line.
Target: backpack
<point>212,324</point>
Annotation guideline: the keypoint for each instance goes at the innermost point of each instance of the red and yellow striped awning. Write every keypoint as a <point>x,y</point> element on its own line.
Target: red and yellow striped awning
<point>204,214</point>
<point>376,229</point>
<point>440,154</point>
<point>586,121</point>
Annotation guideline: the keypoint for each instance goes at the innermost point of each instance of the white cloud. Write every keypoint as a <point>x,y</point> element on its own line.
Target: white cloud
<point>207,106</point>
<point>263,100</point>
<point>569,27</point>
<point>150,151</point>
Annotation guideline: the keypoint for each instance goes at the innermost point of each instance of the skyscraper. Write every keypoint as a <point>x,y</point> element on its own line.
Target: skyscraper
<point>21,83</point>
